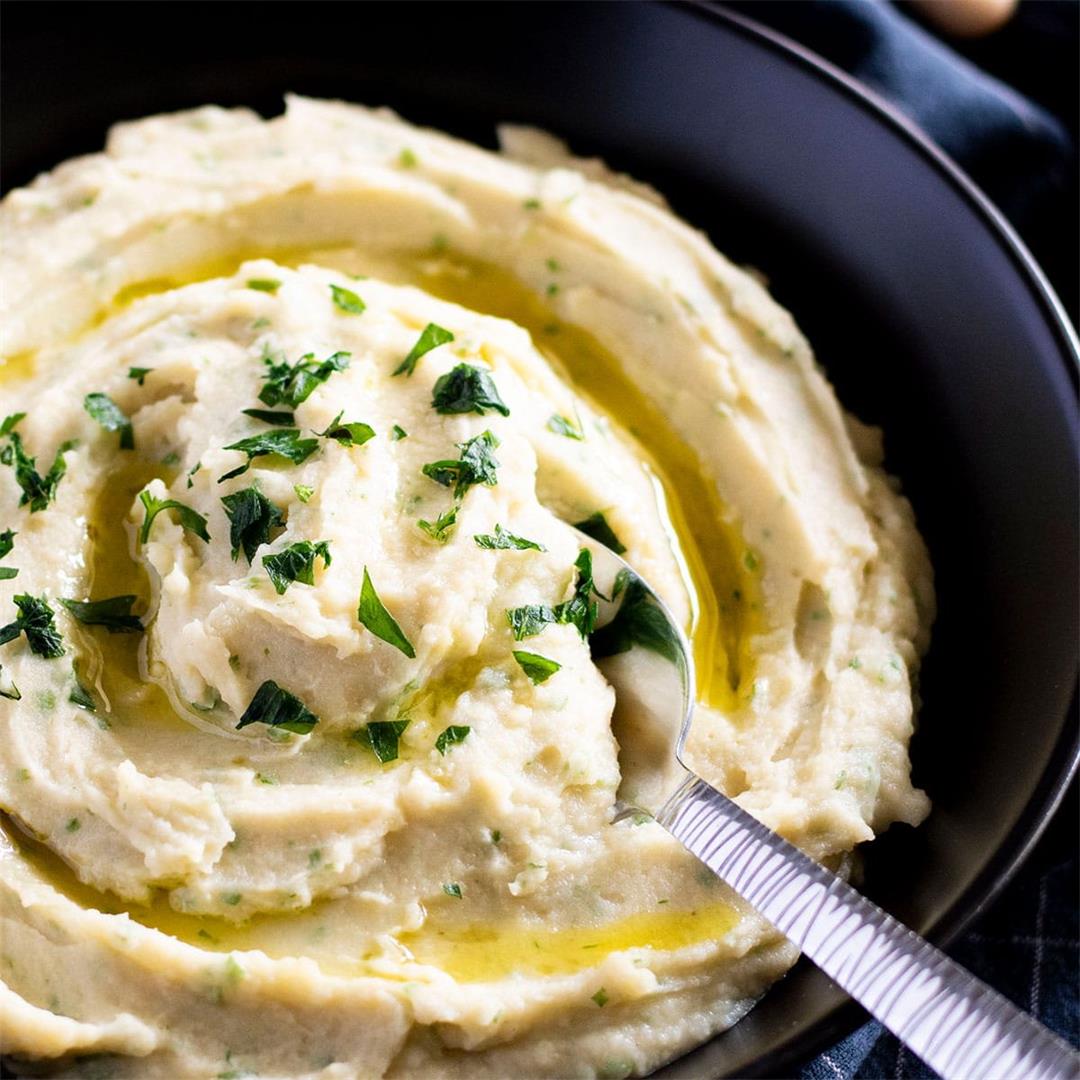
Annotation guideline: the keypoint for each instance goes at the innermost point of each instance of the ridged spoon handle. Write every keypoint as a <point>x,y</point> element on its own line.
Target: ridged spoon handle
<point>957,1024</point>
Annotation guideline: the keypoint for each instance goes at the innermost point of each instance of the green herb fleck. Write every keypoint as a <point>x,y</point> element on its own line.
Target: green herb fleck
<point>440,529</point>
<point>580,610</point>
<point>232,898</point>
<point>37,490</point>
<point>398,433</point>
<point>596,526</point>
<point>382,737</point>
<point>35,620</point>
<point>379,621</point>
<point>531,204</point>
<point>278,708</point>
<point>110,416</point>
<point>476,465</point>
<point>431,337</point>
<point>270,285</point>
<point>252,518</point>
<point>294,383</point>
<point>303,492</point>
<point>80,695</point>
<point>346,300</point>
<point>466,389</point>
<point>282,442</point>
<point>601,997</point>
<point>750,560</point>
<point>189,519</point>
<point>114,613</point>
<point>561,426</point>
<point>269,416</point>
<point>451,736</point>
<point>503,540</point>
<point>9,690</point>
<point>496,836</point>
<point>552,265</point>
<point>139,374</point>
<point>351,434</point>
<point>296,563</point>
<point>538,668</point>
<point>530,620</point>
<point>73,825</point>
<point>407,159</point>
<point>453,889</point>
<point>638,622</point>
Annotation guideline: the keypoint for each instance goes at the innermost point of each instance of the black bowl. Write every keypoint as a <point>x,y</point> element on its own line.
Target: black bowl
<point>926,312</point>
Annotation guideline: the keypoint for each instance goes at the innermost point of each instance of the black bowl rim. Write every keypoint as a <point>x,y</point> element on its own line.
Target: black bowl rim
<point>1065,759</point>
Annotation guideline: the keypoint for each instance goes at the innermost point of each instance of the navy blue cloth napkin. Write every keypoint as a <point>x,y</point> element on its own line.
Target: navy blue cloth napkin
<point>1021,153</point>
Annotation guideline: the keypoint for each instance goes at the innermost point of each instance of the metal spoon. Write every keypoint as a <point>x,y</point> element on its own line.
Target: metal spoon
<point>957,1024</point>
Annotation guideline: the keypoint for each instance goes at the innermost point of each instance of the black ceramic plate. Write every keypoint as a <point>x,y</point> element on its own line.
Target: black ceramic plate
<point>926,312</point>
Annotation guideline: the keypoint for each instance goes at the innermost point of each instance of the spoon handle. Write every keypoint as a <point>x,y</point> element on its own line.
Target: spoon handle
<point>953,1021</point>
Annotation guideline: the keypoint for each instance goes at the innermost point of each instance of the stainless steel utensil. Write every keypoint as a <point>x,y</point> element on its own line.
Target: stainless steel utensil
<point>957,1024</point>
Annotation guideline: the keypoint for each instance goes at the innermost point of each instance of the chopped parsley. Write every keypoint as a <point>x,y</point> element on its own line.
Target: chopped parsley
<point>379,621</point>
<point>114,613</point>
<point>638,622</point>
<point>189,519</point>
<point>476,465</point>
<point>466,389</point>
<point>397,433</point>
<point>581,609</point>
<point>279,709</point>
<point>503,540</point>
<point>296,563</point>
<point>111,417</point>
<point>596,526</point>
<point>431,337</point>
<point>600,997</point>
<point>407,158</point>
<point>531,204</point>
<point>139,374</point>
<point>8,572</point>
<point>381,737</point>
<point>294,383</point>
<point>35,620</point>
<point>538,668</point>
<point>9,690</point>
<point>451,736</point>
<point>561,426</point>
<point>303,492</point>
<point>529,620</point>
<point>282,442</point>
<point>270,285</point>
<point>453,889</point>
<point>269,416</point>
<point>346,300</point>
<point>252,517</point>
<point>351,434</point>
<point>439,529</point>
<point>37,490</point>
<point>7,542</point>
<point>80,695</point>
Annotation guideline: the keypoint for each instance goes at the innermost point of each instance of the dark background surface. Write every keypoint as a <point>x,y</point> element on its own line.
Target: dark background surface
<point>68,72</point>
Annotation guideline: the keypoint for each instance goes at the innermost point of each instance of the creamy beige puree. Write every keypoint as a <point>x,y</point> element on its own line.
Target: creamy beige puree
<point>306,768</point>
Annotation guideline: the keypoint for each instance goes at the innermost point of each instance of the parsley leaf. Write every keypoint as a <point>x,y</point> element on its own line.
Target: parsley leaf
<point>529,620</point>
<point>506,540</point>
<point>351,434</point>
<point>398,433</point>
<point>278,708</point>
<point>580,610</point>
<point>11,422</point>
<point>450,736</point>
<point>189,519</point>
<point>637,622</point>
<point>476,465</point>
<point>8,689</point>
<point>251,516</point>
<point>296,563</point>
<point>282,442</point>
<point>601,997</point>
<point>37,490</point>
<point>113,613</point>
<point>379,621</point>
<point>111,417</point>
<point>84,699</point>
<point>35,620</point>
<point>431,337</point>
<point>303,492</point>
<point>453,889</point>
<point>466,389</point>
<point>561,426</point>
<point>347,300</point>
<point>381,737</point>
<point>440,528</point>
<point>7,542</point>
<point>268,416</point>
<point>596,526</point>
<point>538,668</point>
<point>294,383</point>
<point>139,374</point>
<point>270,285</point>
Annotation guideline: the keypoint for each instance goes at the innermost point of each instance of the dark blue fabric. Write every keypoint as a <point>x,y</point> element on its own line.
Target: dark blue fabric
<point>1022,155</point>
